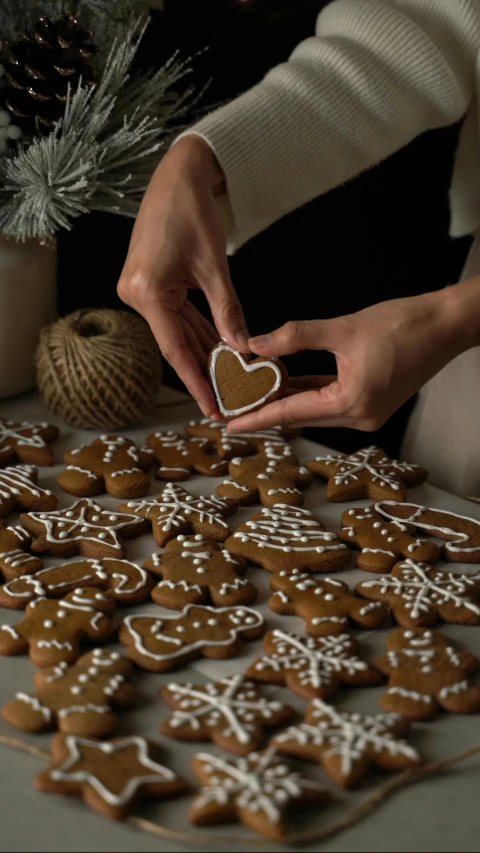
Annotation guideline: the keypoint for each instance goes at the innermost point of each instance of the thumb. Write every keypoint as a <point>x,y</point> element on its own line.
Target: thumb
<point>295,336</point>
<point>227,311</point>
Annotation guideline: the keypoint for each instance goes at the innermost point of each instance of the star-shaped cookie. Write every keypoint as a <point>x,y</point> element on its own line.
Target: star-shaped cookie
<point>26,442</point>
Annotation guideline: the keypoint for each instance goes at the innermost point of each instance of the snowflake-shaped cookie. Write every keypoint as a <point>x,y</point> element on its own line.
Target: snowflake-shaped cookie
<point>177,512</point>
<point>313,666</point>
<point>179,457</point>
<point>195,570</point>
<point>383,543</point>
<point>348,745</point>
<point>111,464</point>
<point>368,473</point>
<point>419,594</point>
<point>14,559</point>
<point>326,605</point>
<point>83,528</point>
<point>122,581</point>
<point>229,712</point>
<point>256,790</point>
<point>111,776</point>
<point>26,442</point>
<point>19,490</point>
<point>76,699</point>
<point>287,538</point>
<point>426,672</point>
<point>461,532</point>
<point>271,476</point>
<point>238,443</point>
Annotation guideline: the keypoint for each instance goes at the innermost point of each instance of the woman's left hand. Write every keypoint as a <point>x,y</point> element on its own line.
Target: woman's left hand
<point>384,355</point>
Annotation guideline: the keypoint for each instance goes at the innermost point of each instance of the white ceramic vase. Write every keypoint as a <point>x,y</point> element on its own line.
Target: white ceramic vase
<point>28,291</point>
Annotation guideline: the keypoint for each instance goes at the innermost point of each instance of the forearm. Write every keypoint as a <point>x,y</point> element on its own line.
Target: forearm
<point>377,74</point>
<point>460,306</point>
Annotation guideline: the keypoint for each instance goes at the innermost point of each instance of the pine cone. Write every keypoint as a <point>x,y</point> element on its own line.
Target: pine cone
<point>40,67</point>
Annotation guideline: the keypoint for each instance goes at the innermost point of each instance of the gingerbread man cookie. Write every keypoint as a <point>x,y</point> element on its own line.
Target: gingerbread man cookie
<point>230,712</point>
<point>368,473</point>
<point>14,557</point>
<point>426,672</point>
<point>19,491</point>
<point>243,383</point>
<point>53,631</point>
<point>179,457</point>
<point>110,464</point>
<point>348,745</point>
<point>195,570</point>
<point>273,476</point>
<point>76,699</point>
<point>111,776</point>
<point>461,532</point>
<point>312,667</point>
<point>161,644</point>
<point>82,528</point>
<point>233,444</point>
<point>258,790</point>
<point>283,538</point>
<point>176,512</point>
<point>419,594</point>
<point>326,605</point>
<point>383,543</point>
<point>124,582</point>
<point>25,442</point>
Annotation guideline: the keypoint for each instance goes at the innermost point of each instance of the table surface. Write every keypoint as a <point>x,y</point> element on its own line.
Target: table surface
<point>439,814</point>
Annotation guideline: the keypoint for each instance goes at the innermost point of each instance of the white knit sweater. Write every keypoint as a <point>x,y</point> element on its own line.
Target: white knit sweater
<point>376,74</point>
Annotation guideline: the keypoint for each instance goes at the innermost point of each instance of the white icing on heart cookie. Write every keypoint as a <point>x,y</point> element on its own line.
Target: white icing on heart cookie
<point>248,368</point>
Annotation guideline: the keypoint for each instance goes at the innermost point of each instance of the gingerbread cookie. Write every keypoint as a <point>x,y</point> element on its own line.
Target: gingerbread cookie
<point>284,538</point>
<point>273,475</point>
<point>368,473</point>
<point>110,776</point>
<point>426,672</point>
<point>348,745</point>
<point>124,582</point>
<point>76,699</point>
<point>314,666</point>
<point>326,605</point>
<point>419,594</point>
<point>82,528</point>
<point>195,570</point>
<point>179,457</point>
<point>14,557</point>
<point>461,532</point>
<point>243,383</point>
<point>176,512</point>
<point>110,464</point>
<point>19,491</point>
<point>53,631</point>
<point>233,444</point>
<point>383,543</point>
<point>257,790</point>
<point>25,442</point>
<point>161,644</point>
<point>230,712</point>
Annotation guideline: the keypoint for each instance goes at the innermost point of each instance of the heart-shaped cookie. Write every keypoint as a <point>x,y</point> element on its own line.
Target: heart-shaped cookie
<point>244,383</point>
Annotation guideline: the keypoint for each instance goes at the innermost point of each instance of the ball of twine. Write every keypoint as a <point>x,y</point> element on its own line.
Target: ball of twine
<point>98,368</point>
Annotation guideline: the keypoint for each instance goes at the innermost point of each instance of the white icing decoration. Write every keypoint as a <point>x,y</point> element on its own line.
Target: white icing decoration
<point>35,704</point>
<point>89,474</point>
<point>126,471</point>
<point>458,535</point>
<point>349,467</point>
<point>248,368</point>
<point>82,709</point>
<point>77,525</point>
<point>10,430</point>
<point>19,479</point>
<point>410,694</point>
<point>176,504</point>
<point>453,689</point>
<point>286,528</point>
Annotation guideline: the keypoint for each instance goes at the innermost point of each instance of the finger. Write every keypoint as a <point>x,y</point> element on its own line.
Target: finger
<point>227,311</point>
<point>169,333</point>
<point>317,405</point>
<point>199,352</point>
<point>298,383</point>
<point>295,336</point>
<point>207,334</point>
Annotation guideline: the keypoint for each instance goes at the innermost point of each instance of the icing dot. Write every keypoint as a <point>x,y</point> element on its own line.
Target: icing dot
<point>78,591</point>
<point>102,535</point>
<point>83,530</point>
<point>198,537</point>
<point>180,629</point>
<point>113,517</point>
<point>75,690</point>
<point>48,623</point>
<point>69,514</point>
<point>197,624</point>
<point>212,621</point>
<point>83,678</point>
<point>61,614</point>
<point>93,670</point>
<point>95,518</point>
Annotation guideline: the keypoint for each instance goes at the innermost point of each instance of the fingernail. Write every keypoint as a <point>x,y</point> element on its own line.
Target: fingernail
<point>242,338</point>
<point>260,341</point>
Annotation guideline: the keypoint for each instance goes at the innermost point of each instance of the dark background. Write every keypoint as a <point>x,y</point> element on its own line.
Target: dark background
<point>381,236</point>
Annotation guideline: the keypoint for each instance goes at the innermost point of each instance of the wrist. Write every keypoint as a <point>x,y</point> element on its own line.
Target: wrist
<point>198,159</point>
<point>460,309</point>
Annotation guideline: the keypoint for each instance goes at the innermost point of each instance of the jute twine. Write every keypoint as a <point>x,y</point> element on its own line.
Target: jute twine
<point>354,816</point>
<point>99,369</point>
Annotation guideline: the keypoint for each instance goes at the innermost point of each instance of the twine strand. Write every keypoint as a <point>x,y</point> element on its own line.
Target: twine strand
<point>354,816</point>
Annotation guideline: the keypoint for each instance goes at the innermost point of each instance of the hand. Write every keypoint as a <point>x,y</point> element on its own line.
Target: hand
<point>178,243</point>
<point>384,355</point>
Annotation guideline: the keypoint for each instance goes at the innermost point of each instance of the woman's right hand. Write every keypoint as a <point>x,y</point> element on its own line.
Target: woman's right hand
<point>178,243</point>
